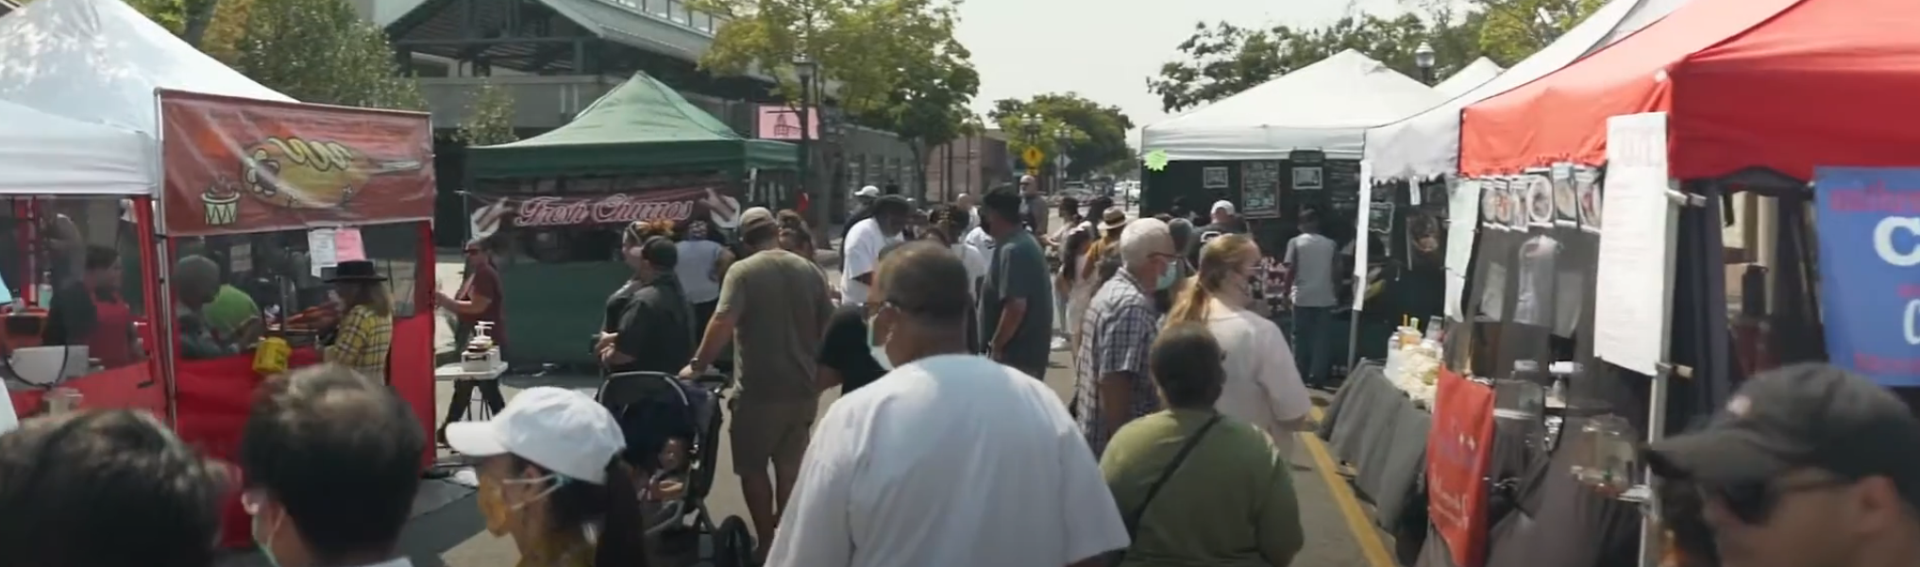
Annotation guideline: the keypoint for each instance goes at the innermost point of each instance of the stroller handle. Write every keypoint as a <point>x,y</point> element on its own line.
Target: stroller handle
<point>711,379</point>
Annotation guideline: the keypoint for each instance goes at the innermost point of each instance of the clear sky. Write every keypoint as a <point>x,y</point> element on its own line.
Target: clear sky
<point>1106,49</point>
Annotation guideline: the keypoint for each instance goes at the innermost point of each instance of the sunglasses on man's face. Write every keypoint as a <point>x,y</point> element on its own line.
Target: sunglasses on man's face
<point>1753,502</point>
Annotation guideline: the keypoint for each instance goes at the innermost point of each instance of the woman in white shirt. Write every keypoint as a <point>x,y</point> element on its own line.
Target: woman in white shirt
<point>1263,387</point>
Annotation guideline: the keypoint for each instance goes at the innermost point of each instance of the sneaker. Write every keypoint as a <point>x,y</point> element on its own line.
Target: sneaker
<point>1059,343</point>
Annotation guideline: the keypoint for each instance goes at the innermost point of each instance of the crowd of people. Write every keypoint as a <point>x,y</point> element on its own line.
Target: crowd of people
<point>946,447</point>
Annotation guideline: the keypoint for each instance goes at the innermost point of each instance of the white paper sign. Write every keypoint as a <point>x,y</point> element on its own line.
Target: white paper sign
<point>8,421</point>
<point>320,254</point>
<point>240,258</point>
<point>1360,236</point>
<point>1635,271</point>
<point>1463,214</point>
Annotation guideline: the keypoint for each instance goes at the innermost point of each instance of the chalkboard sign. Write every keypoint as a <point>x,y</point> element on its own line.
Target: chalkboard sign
<point>1260,189</point>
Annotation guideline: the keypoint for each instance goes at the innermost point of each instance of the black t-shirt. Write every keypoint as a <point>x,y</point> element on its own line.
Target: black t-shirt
<point>845,349</point>
<point>655,324</point>
<point>71,317</point>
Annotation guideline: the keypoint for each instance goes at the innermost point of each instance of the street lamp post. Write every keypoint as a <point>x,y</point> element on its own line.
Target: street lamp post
<point>804,68</point>
<point>1423,58</point>
<point>1063,135</point>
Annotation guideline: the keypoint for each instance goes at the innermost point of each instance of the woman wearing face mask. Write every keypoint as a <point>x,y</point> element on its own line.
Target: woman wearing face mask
<point>1263,386</point>
<point>850,356</point>
<point>702,260</point>
<point>649,325</point>
<point>551,477</point>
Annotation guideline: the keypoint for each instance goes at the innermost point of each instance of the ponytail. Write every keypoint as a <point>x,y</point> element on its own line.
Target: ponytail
<point>1217,261</point>
<point>623,530</point>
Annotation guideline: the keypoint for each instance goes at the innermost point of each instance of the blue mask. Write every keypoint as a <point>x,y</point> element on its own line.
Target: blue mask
<point>1167,277</point>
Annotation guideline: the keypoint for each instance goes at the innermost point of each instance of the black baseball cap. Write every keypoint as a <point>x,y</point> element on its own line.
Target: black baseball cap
<point>1807,415</point>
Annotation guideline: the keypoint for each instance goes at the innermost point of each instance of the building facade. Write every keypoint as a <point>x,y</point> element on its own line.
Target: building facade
<point>969,165</point>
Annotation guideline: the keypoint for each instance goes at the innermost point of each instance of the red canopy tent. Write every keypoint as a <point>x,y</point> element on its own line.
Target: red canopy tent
<point>1780,84</point>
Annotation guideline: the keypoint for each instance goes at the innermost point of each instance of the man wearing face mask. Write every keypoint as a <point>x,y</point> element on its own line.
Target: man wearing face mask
<point>1012,482</point>
<point>1111,386</point>
<point>849,357</point>
<point>331,460</point>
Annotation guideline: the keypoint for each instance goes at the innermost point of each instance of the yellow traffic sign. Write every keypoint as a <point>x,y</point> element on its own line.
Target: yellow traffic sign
<point>1033,157</point>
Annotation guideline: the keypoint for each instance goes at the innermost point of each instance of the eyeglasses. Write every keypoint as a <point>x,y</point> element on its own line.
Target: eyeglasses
<point>1753,502</point>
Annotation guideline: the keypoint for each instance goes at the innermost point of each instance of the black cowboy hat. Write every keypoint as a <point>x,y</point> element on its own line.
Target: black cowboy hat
<point>356,271</point>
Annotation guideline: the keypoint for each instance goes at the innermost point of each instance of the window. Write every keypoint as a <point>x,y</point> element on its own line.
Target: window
<point>268,278</point>
<point>72,267</point>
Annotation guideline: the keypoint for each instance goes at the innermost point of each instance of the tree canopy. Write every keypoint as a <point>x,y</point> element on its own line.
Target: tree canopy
<point>1098,132</point>
<point>316,51</point>
<point>1222,59</point>
<point>489,118</point>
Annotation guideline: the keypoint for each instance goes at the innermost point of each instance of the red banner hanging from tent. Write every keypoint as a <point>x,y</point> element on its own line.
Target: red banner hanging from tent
<point>235,165</point>
<point>1459,451</point>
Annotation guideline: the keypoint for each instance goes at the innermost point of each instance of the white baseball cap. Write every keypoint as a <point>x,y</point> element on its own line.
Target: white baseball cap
<point>868,191</point>
<point>561,430</point>
<point>1222,206</point>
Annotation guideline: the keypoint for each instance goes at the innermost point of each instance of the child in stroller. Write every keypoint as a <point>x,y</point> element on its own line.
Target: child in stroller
<point>672,428</point>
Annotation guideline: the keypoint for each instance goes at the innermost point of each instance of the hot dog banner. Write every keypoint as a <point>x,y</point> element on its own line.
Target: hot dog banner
<point>235,165</point>
<point>677,204</point>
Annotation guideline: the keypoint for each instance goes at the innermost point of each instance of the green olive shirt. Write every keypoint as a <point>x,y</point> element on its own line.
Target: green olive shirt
<point>1230,504</point>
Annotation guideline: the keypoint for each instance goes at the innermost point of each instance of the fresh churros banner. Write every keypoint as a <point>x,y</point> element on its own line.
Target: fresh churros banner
<point>235,165</point>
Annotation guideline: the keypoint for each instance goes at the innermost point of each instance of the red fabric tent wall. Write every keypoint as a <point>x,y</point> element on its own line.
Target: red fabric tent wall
<point>1784,84</point>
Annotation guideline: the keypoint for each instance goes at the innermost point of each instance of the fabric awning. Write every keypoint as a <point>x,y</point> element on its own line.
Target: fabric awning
<point>43,154</point>
<point>1326,106</point>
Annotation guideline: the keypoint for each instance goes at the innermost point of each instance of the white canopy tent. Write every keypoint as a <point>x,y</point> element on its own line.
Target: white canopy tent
<point>1326,106</point>
<point>43,154</point>
<point>100,61</point>
<point>1428,144</point>
<point>1469,77</point>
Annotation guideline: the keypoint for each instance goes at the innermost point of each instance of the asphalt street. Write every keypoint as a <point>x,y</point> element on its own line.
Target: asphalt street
<point>447,529</point>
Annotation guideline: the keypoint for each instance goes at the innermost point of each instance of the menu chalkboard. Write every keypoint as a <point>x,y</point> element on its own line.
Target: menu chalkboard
<point>1260,189</point>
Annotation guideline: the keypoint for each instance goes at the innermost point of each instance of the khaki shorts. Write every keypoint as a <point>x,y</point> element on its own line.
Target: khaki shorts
<point>770,431</point>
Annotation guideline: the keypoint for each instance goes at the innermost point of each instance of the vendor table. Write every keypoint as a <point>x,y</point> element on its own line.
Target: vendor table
<point>477,408</point>
<point>1374,427</point>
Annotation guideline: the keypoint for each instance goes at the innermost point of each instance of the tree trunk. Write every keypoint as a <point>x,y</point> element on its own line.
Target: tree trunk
<point>198,16</point>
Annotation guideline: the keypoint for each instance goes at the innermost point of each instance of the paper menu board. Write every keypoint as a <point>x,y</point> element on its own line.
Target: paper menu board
<point>320,252</point>
<point>1463,207</point>
<point>240,258</point>
<point>347,246</point>
<point>1635,267</point>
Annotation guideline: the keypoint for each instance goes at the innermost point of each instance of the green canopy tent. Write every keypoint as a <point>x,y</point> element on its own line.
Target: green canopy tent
<point>641,152</point>
<point>639,127</point>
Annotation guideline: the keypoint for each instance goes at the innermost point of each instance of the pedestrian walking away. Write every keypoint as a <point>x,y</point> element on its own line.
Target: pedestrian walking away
<point>774,309</point>
<point>1310,273</point>
<point>1111,386</point>
<point>1008,480</point>
<point>1199,487</point>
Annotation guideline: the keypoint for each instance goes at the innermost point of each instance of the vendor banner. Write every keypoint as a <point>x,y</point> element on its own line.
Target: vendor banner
<point>1869,231</point>
<point>672,204</point>
<point>235,165</point>
<point>1459,451</point>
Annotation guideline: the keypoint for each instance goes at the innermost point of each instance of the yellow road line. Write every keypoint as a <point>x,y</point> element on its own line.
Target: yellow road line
<point>1364,534</point>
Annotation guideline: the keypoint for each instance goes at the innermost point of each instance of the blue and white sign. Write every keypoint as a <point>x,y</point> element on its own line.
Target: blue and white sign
<point>1869,231</point>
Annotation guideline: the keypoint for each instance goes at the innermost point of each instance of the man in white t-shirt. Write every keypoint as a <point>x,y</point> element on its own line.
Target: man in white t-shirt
<point>863,244</point>
<point>1310,277</point>
<point>950,459</point>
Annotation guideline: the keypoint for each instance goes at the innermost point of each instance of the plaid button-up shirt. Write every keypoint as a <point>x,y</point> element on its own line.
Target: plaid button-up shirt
<point>363,342</point>
<point>1118,330</point>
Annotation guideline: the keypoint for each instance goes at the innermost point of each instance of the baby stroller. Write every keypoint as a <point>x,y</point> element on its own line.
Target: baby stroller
<point>656,411</point>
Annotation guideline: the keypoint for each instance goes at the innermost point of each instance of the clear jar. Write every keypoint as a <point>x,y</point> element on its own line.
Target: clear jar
<point>1605,459</point>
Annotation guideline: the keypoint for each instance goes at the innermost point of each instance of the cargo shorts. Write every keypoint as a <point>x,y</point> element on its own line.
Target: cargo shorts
<point>770,431</point>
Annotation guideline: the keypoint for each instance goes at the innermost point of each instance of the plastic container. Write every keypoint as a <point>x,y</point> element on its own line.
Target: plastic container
<point>1604,458</point>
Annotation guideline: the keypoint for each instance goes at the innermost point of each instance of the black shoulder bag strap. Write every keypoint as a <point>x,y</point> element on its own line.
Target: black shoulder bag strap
<point>1133,519</point>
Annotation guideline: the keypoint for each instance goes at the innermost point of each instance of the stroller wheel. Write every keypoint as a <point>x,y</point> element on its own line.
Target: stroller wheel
<point>732,544</point>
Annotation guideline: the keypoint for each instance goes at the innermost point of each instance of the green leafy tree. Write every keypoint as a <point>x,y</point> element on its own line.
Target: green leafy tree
<point>489,118</point>
<point>1223,59</point>
<point>1098,132</point>
<point>892,63</point>
<point>929,106</point>
<point>321,51</point>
